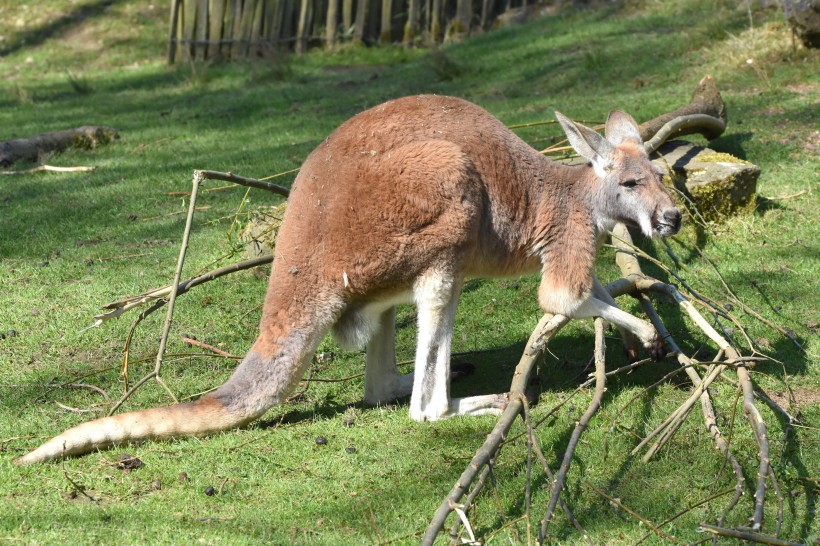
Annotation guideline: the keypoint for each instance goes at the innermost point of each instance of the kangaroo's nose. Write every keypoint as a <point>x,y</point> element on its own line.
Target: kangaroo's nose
<point>673,218</point>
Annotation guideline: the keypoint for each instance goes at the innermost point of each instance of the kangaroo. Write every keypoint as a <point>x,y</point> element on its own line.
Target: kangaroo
<point>401,204</point>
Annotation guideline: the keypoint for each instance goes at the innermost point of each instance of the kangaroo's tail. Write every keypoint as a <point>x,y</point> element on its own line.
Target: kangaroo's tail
<point>200,417</point>
<point>265,377</point>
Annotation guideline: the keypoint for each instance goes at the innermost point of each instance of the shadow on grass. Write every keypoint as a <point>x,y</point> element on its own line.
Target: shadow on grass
<point>37,36</point>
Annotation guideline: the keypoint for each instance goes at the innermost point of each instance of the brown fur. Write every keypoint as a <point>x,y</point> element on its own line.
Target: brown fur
<point>415,187</point>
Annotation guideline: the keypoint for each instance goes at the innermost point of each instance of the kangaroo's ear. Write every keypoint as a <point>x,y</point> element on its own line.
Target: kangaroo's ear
<point>587,143</point>
<point>621,127</point>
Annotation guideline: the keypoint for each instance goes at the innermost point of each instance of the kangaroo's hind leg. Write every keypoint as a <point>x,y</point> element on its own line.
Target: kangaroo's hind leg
<point>436,299</point>
<point>382,380</point>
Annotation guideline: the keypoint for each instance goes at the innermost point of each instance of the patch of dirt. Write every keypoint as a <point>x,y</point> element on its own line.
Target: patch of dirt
<point>803,396</point>
<point>803,88</point>
<point>812,144</point>
<point>83,38</point>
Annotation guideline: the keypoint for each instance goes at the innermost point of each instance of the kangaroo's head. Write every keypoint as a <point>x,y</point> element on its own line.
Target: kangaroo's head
<point>628,187</point>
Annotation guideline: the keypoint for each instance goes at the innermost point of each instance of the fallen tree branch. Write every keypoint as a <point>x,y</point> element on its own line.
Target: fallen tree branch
<point>706,100</point>
<point>546,329</point>
<point>158,295</point>
<point>50,168</point>
<point>580,427</point>
<point>166,328</point>
<point>31,148</point>
<point>746,535</point>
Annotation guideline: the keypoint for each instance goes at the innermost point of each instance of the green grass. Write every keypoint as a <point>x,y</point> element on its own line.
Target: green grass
<point>71,242</point>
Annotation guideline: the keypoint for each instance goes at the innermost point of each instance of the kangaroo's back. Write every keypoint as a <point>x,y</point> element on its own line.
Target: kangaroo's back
<point>409,164</point>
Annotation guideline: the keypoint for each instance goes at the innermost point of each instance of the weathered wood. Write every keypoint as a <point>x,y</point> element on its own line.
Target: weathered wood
<point>331,23</point>
<point>705,100</point>
<point>255,41</point>
<point>216,17</point>
<point>411,27</point>
<point>31,148</point>
<point>188,21</point>
<point>386,29</point>
<point>201,44</point>
<point>173,31</point>
<point>361,20</point>
<point>303,26</point>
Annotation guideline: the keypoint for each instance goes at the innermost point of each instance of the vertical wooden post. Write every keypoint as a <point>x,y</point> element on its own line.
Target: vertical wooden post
<point>255,38</point>
<point>331,24</point>
<point>216,18</point>
<point>386,32</point>
<point>236,30</point>
<point>286,35</point>
<point>347,17</point>
<point>200,46</point>
<point>411,27</point>
<point>188,29</point>
<point>173,33</point>
<point>486,6</point>
<point>435,22</point>
<point>361,21</point>
<point>270,29</point>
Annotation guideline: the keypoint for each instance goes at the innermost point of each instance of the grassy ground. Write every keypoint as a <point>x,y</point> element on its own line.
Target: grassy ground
<point>70,242</point>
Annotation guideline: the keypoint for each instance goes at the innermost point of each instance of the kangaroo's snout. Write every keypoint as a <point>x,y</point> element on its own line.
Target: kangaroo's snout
<point>669,222</point>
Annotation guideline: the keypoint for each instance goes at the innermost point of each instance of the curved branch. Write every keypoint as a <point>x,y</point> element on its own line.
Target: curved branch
<point>705,100</point>
<point>685,125</point>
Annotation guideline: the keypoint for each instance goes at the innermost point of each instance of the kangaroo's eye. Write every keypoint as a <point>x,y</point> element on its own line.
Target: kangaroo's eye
<point>629,183</point>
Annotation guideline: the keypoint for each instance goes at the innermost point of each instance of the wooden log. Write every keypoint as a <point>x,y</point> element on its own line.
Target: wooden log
<point>705,100</point>
<point>31,148</point>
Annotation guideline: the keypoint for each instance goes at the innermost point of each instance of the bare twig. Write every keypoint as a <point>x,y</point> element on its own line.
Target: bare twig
<point>746,535</point>
<point>166,329</point>
<point>545,465</point>
<point>631,512</point>
<point>52,169</point>
<point>546,329</point>
<point>580,427</point>
<point>241,180</point>
<point>686,511</point>
<point>211,348</point>
<point>157,296</point>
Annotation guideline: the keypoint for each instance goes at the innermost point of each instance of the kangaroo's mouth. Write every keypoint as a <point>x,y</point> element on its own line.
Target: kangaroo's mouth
<point>667,223</point>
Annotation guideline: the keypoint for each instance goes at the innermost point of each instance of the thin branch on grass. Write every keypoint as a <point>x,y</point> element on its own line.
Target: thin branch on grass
<point>691,507</point>
<point>211,348</point>
<point>52,169</point>
<point>242,181</point>
<point>580,427</point>
<point>159,295</point>
<point>71,409</point>
<point>634,514</point>
<point>746,535</point>
<point>546,329</point>
<point>166,328</point>
<point>545,465</point>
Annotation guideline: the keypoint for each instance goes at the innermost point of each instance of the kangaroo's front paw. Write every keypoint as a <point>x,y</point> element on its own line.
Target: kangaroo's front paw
<point>656,348</point>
